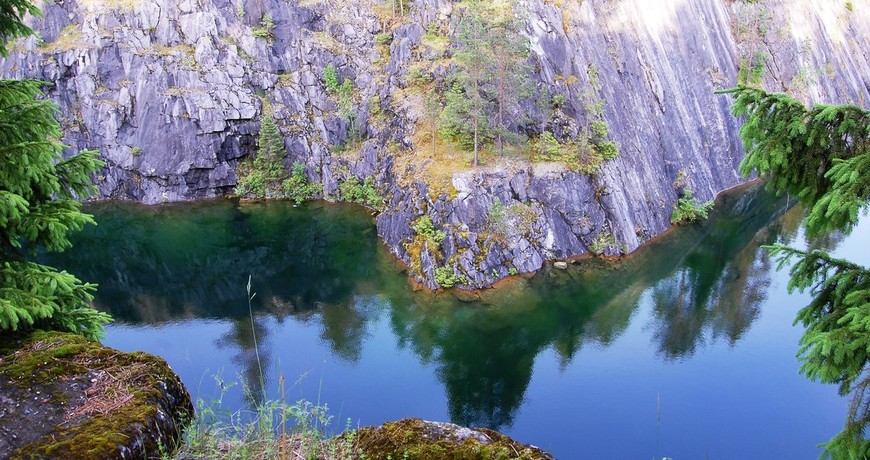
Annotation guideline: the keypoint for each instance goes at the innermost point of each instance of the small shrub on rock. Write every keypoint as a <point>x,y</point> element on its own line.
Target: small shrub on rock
<point>689,210</point>
<point>445,277</point>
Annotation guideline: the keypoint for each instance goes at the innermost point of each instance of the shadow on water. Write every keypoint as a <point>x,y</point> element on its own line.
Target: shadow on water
<point>319,264</point>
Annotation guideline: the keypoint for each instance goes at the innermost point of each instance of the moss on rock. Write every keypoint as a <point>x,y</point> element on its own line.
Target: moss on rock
<point>63,396</point>
<point>418,439</point>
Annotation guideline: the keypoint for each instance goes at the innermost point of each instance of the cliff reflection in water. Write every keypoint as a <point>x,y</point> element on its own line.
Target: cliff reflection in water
<point>323,264</point>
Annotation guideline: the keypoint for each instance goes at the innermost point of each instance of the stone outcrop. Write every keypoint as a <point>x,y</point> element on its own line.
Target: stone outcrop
<point>62,396</point>
<point>171,93</point>
<point>420,439</point>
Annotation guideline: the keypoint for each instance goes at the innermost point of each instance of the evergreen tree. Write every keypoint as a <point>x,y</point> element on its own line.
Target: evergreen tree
<point>818,154</point>
<point>460,121</point>
<point>473,59</point>
<point>11,27</point>
<point>510,50</point>
<point>345,98</point>
<point>490,75</point>
<point>38,205</point>
<point>270,141</point>
<point>262,177</point>
<point>821,155</point>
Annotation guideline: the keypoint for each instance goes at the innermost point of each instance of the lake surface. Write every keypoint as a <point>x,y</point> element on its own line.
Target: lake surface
<point>684,350</point>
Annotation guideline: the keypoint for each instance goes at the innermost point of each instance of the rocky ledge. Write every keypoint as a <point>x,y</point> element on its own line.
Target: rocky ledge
<point>419,439</point>
<point>62,396</point>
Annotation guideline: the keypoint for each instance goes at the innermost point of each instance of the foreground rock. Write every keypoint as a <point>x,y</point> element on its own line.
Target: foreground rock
<point>62,396</point>
<point>419,439</point>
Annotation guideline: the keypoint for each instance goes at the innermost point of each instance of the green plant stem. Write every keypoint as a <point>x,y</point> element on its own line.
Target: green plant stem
<point>254,335</point>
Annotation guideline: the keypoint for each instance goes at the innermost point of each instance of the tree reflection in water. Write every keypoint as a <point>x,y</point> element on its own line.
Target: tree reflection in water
<point>718,290</point>
<point>240,342</point>
<point>324,264</point>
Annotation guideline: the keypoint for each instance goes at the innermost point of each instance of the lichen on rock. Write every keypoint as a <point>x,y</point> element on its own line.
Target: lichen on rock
<point>63,396</point>
<point>419,439</point>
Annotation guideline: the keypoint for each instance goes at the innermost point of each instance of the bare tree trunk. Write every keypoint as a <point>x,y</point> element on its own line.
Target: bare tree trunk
<point>475,112</point>
<point>475,139</point>
<point>501,101</point>
<point>434,133</point>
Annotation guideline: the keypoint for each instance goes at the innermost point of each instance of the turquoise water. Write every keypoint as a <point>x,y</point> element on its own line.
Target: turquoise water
<point>683,350</point>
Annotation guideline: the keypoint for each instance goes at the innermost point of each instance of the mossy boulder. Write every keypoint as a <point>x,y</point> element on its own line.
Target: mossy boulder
<point>63,396</point>
<point>418,439</point>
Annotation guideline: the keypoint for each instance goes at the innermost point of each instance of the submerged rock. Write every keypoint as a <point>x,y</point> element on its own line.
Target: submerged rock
<point>419,439</point>
<point>63,396</point>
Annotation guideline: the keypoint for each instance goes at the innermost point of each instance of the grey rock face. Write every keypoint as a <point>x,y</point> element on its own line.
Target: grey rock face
<point>658,65</point>
<point>171,93</point>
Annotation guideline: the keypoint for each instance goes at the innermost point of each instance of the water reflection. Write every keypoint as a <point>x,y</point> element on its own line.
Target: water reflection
<point>483,358</point>
<point>716,292</point>
<point>157,264</point>
<point>344,325</point>
<point>324,265</point>
<point>245,342</point>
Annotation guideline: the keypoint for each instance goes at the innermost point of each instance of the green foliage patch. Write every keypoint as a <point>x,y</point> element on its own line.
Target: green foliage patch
<point>11,24</point>
<point>424,227</point>
<point>262,176</point>
<point>39,208</point>
<point>428,239</point>
<point>265,175</point>
<point>297,187</point>
<point>580,154</point>
<point>446,278</point>
<point>601,242</point>
<point>384,38</point>
<point>589,149</point>
<point>39,204</point>
<point>460,122</point>
<point>330,78</point>
<point>751,69</point>
<point>489,77</point>
<point>345,97</point>
<point>518,217</point>
<point>820,154</point>
<point>688,209</point>
<point>267,25</point>
<point>363,193</point>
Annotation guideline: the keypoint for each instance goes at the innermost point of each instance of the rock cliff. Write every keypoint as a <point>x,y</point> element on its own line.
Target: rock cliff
<point>171,93</point>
